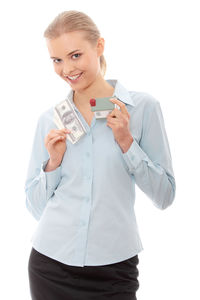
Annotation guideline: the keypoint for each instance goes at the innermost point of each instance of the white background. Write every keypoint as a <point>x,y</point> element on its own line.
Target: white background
<point>150,46</point>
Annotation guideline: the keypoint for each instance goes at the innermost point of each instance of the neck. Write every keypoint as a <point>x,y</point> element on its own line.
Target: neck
<point>98,89</point>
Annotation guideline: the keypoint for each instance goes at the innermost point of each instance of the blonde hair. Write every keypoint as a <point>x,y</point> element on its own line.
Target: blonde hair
<point>73,20</point>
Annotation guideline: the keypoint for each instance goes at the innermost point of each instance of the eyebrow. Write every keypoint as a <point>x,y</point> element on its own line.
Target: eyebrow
<point>68,53</point>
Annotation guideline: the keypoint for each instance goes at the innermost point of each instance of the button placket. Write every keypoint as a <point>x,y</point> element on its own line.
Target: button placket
<point>86,204</point>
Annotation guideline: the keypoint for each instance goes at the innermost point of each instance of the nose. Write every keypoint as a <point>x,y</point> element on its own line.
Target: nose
<point>68,69</point>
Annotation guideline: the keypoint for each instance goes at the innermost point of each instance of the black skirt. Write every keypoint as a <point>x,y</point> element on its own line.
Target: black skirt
<point>50,279</point>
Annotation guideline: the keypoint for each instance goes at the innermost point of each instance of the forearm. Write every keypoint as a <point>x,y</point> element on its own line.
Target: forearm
<point>155,181</point>
<point>36,196</point>
<point>41,188</point>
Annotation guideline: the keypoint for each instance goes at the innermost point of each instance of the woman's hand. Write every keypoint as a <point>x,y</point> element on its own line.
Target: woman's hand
<point>55,142</point>
<point>118,121</point>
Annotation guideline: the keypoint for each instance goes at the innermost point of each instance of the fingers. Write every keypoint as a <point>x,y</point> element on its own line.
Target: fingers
<point>115,113</point>
<point>121,105</point>
<point>120,121</point>
<point>117,123</point>
<point>56,134</point>
<point>56,139</point>
<point>59,131</point>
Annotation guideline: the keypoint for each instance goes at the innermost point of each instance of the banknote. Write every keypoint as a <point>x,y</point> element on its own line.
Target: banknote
<point>66,117</point>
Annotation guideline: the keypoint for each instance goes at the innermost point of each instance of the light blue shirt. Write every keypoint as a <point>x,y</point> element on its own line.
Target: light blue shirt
<point>85,207</point>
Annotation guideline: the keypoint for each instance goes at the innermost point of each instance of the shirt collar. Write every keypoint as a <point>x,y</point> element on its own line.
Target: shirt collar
<point>120,92</point>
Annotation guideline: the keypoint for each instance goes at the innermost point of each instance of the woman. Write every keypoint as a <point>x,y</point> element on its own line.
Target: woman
<point>87,242</point>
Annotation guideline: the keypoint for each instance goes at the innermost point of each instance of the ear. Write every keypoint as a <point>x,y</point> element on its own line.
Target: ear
<point>100,46</point>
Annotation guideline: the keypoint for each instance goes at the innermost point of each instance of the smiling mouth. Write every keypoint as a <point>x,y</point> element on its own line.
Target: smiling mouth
<point>74,79</point>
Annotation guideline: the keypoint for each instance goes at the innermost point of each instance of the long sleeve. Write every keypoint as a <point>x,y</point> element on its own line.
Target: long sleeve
<point>149,160</point>
<point>40,185</point>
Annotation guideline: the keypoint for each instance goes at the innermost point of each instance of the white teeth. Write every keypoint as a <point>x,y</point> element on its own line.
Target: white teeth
<point>74,77</point>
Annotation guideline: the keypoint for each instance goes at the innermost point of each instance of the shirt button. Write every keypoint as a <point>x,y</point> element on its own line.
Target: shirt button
<point>83,222</point>
<point>87,154</point>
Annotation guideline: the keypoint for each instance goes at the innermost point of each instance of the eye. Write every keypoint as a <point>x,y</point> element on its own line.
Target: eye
<point>77,54</point>
<point>56,59</point>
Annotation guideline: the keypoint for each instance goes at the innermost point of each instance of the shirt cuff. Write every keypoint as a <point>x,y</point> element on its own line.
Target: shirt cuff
<point>52,177</point>
<point>134,156</point>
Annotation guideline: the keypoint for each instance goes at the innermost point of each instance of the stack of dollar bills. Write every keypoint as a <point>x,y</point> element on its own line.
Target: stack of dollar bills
<point>66,117</point>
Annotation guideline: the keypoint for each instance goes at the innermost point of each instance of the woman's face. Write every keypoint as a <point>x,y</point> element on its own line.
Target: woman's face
<point>84,60</point>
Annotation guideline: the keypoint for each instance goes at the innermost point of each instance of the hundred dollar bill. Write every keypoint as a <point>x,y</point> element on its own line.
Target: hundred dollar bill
<point>66,117</point>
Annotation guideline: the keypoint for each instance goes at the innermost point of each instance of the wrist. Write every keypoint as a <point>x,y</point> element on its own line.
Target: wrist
<point>126,143</point>
<point>52,165</point>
